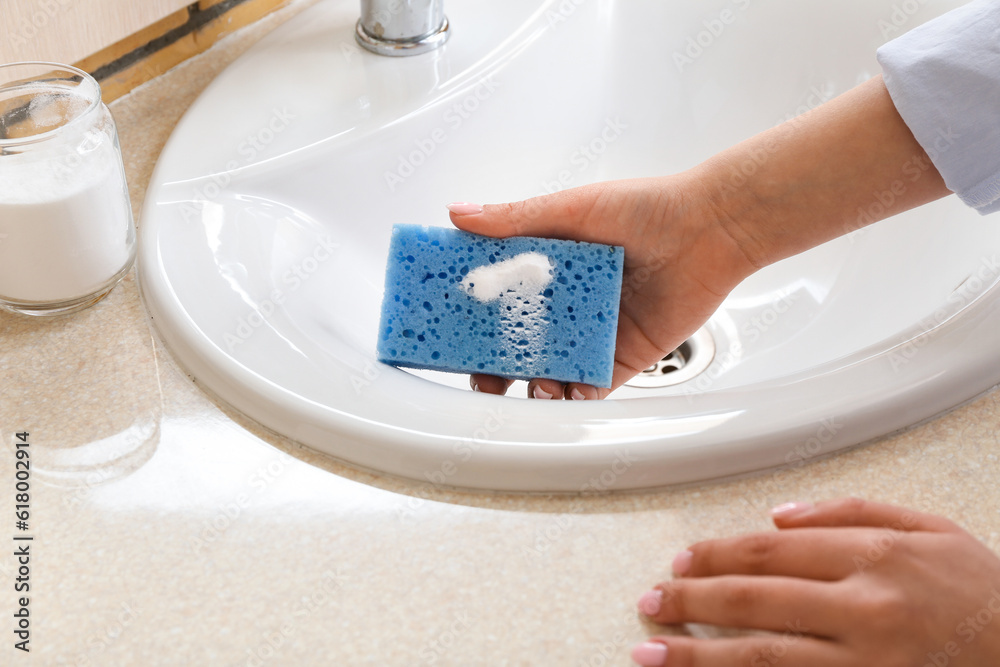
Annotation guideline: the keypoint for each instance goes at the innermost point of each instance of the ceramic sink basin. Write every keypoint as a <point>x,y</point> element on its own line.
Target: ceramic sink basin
<point>265,232</point>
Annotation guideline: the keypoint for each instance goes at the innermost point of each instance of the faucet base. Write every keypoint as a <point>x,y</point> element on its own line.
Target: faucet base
<point>402,47</point>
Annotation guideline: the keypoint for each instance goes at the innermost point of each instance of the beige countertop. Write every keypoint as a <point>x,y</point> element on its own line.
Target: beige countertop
<point>169,530</point>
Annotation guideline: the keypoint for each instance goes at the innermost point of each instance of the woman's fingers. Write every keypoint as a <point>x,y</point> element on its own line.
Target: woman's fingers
<point>760,603</point>
<point>553,390</point>
<point>576,391</point>
<point>811,550</point>
<point>817,554</point>
<point>489,384</point>
<point>547,216</point>
<point>856,512</point>
<point>791,648</point>
<point>817,578</point>
<point>556,216</point>
<point>537,389</point>
<point>545,390</point>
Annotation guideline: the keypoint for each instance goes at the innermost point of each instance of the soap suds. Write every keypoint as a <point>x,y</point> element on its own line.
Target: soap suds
<point>518,284</point>
<point>522,276</point>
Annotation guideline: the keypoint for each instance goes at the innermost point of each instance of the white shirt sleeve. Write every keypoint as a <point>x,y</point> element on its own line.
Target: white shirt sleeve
<point>944,78</point>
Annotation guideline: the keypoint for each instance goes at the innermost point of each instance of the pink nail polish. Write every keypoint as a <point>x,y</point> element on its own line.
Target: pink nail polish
<point>577,395</point>
<point>682,563</point>
<point>540,393</point>
<point>650,654</point>
<point>650,602</point>
<point>464,208</point>
<point>790,510</point>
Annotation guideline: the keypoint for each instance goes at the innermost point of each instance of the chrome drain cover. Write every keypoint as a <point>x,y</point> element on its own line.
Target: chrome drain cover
<point>689,360</point>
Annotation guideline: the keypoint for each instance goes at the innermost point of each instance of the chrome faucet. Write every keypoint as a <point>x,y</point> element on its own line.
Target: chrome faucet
<point>402,27</point>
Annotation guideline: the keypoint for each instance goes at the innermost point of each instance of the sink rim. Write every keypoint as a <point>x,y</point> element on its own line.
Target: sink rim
<point>731,442</point>
<point>740,445</point>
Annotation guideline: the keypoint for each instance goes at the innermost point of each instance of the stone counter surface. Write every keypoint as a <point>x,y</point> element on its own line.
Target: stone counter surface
<point>169,530</point>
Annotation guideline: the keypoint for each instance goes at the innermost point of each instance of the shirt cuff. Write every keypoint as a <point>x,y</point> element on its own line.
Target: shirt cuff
<point>944,79</point>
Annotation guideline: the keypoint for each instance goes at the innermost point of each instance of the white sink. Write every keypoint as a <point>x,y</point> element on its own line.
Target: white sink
<point>265,231</point>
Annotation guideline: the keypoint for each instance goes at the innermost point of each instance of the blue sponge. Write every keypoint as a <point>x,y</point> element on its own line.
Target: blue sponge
<point>518,307</point>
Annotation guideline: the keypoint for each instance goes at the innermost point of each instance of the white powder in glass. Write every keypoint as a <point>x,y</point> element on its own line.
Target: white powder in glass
<point>49,111</point>
<point>65,225</point>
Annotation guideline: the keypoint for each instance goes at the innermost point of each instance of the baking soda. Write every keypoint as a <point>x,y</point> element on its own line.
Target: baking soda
<point>522,276</point>
<point>65,223</point>
<point>518,284</point>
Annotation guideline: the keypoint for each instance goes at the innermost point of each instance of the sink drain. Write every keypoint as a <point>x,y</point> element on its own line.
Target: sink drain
<point>690,359</point>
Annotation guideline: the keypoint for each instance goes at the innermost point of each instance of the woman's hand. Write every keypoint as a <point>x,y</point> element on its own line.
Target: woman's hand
<point>691,238</point>
<point>845,583</point>
<point>680,262</point>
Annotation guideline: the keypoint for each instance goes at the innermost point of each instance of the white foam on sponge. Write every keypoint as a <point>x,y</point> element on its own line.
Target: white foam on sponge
<point>524,276</point>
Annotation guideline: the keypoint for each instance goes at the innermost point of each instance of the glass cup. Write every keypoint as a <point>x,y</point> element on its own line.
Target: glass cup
<point>66,230</point>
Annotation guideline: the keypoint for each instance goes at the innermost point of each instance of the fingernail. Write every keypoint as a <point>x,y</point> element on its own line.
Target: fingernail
<point>650,654</point>
<point>577,395</point>
<point>790,510</point>
<point>682,563</point>
<point>464,208</point>
<point>475,385</point>
<point>540,393</point>
<point>650,602</point>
